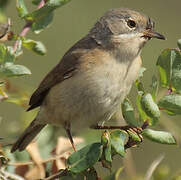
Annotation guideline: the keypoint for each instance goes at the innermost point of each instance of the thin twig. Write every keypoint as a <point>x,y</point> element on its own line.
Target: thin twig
<point>27,27</point>
<point>31,162</point>
<point>57,175</point>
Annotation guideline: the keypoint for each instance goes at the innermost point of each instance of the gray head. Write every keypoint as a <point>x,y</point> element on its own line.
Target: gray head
<point>124,27</point>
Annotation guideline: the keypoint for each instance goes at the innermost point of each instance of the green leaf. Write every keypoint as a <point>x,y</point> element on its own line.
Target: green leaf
<point>37,27</point>
<point>169,63</point>
<point>176,71</point>
<point>105,140</point>
<point>159,136</point>
<point>171,104</point>
<point>6,54</point>
<point>85,157</point>
<point>128,113</point>
<point>143,116</point>
<point>179,43</point>
<point>35,46</point>
<point>118,139</point>
<point>154,86</point>
<point>11,70</point>
<point>41,15</point>
<point>133,135</point>
<point>164,62</point>
<point>19,50</point>
<point>21,8</point>
<point>150,107</point>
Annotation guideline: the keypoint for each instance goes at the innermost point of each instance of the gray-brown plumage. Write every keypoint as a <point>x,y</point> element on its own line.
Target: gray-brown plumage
<point>93,77</point>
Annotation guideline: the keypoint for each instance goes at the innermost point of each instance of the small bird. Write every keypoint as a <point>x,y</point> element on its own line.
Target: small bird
<point>93,77</point>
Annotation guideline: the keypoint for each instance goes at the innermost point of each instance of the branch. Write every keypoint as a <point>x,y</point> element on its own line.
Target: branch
<point>61,173</point>
<point>32,162</point>
<point>27,27</point>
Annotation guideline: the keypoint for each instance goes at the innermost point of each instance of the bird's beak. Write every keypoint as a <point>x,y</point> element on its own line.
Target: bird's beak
<point>151,34</point>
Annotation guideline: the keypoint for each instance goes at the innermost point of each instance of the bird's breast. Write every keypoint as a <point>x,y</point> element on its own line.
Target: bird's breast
<point>91,96</point>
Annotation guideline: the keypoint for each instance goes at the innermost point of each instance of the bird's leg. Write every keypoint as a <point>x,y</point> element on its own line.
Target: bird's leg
<point>68,131</point>
<point>137,130</point>
<point>125,128</point>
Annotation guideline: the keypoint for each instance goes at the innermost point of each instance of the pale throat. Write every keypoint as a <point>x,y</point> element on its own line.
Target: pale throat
<point>127,47</point>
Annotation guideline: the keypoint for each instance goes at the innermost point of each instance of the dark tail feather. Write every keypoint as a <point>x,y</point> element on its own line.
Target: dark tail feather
<point>31,131</point>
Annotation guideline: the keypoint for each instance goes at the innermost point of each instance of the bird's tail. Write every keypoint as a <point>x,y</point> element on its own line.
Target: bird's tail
<point>31,131</point>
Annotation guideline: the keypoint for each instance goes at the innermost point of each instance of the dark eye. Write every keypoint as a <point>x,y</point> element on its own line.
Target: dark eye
<point>131,23</point>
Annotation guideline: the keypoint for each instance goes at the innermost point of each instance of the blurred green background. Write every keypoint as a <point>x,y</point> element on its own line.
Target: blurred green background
<point>73,21</point>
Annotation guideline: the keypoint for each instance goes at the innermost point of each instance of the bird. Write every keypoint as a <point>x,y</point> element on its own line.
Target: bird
<point>93,77</point>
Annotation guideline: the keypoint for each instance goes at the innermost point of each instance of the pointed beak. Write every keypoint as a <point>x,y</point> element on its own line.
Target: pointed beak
<point>151,34</point>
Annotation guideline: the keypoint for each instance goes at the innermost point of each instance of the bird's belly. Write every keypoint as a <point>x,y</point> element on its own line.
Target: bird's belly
<point>84,101</point>
<point>89,97</point>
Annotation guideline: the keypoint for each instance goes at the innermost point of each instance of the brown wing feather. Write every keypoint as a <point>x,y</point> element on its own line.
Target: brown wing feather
<point>64,70</point>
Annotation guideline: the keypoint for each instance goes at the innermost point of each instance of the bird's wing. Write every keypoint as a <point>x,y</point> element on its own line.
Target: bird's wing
<point>65,69</point>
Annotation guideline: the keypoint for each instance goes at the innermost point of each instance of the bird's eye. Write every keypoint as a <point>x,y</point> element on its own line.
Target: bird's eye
<point>131,23</point>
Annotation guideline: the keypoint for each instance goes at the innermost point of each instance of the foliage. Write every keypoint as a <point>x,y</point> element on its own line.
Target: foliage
<point>80,164</point>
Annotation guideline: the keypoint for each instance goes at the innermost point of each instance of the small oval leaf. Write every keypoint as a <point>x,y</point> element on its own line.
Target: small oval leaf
<point>36,46</point>
<point>128,113</point>
<point>171,104</point>
<point>21,8</point>
<point>118,139</point>
<point>159,136</point>
<point>85,157</point>
<point>12,70</point>
<point>150,107</point>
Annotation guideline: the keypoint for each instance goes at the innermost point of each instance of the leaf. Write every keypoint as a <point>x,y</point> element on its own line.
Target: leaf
<point>37,27</point>
<point>164,63</point>
<point>11,70</point>
<point>105,140</point>
<point>179,43</point>
<point>176,71</point>
<point>133,135</point>
<point>154,85</point>
<point>150,108</point>
<point>128,113</point>
<point>118,139</point>
<point>159,136</point>
<point>35,46</point>
<point>21,8</point>
<point>19,50</point>
<point>169,63</point>
<point>171,104</point>
<point>6,54</point>
<point>85,157</point>
<point>38,16</point>
<point>143,116</point>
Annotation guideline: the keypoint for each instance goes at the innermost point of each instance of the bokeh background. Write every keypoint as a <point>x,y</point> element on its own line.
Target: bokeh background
<point>73,21</point>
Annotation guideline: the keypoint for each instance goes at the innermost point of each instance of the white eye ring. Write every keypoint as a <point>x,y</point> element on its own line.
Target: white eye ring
<point>131,23</point>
